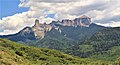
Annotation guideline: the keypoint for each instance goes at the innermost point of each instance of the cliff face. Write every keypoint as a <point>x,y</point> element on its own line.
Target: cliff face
<point>81,21</point>
<point>40,29</point>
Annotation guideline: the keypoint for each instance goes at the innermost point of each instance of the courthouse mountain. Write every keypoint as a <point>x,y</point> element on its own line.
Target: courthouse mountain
<point>58,35</point>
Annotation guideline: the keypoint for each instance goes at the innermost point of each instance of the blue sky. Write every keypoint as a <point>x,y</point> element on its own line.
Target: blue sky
<point>10,7</point>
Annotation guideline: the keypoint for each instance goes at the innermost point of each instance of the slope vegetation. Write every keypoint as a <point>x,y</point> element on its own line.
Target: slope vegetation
<point>103,45</point>
<point>12,53</point>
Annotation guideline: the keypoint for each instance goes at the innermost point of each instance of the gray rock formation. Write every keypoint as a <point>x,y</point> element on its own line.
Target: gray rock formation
<point>40,29</point>
<point>85,21</point>
<point>81,21</point>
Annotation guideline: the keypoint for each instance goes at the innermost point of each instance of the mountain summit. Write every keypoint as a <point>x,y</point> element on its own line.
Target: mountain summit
<point>81,21</point>
<point>40,29</point>
<point>58,34</point>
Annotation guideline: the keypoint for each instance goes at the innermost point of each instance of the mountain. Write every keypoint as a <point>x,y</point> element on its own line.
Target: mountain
<point>40,29</point>
<point>12,53</point>
<point>79,37</point>
<point>58,35</point>
<point>23,35</point>
<point>68,37</point>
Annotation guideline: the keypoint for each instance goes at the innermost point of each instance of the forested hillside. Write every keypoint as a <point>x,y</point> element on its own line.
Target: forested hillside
<point>104,45</point>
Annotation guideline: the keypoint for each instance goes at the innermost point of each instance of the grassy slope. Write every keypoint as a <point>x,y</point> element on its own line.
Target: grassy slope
<point>12,53</point>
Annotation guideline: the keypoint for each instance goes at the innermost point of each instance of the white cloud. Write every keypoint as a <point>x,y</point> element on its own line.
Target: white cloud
<point>13,24</point>
<point>112,24</point>
<point>104,12</point>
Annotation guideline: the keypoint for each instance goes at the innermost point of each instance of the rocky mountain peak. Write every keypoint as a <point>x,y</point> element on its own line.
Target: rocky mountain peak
<point>37,23</point>
<point>40,29</point>
<point>81,21</point>
<point>85,20</point>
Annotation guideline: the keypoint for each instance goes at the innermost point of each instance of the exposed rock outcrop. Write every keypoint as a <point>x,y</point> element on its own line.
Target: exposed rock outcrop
<point>40,29</point>
<point>81,21</point>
